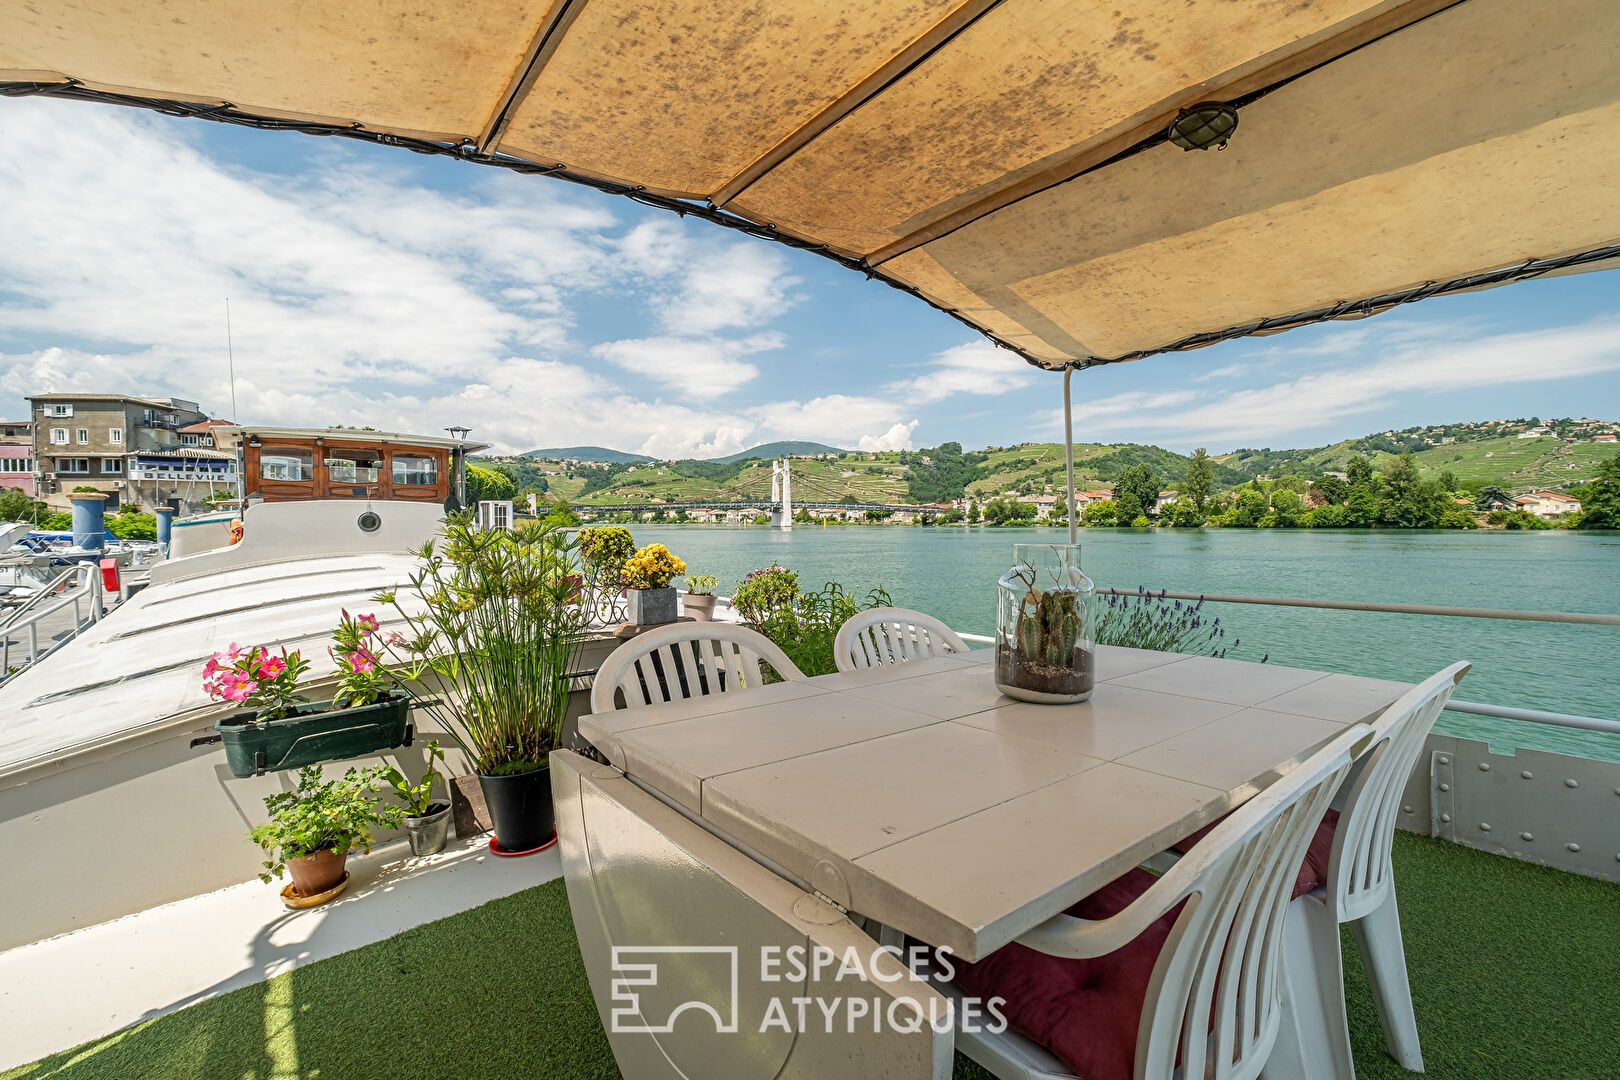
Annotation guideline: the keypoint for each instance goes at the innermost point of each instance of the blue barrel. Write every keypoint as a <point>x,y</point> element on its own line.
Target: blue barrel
<point>165,522</point>
<point>89,520</point>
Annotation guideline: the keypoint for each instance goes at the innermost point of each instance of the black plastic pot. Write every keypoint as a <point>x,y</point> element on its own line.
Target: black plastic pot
<point>520,808</point>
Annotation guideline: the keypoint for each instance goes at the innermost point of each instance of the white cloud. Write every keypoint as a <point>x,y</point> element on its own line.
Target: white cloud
<point>736,284</point>
<point>359,297</point>
<point>694,368</point>
<point>1407,363</point>
<point>897,437</point>
<point>977,367</point>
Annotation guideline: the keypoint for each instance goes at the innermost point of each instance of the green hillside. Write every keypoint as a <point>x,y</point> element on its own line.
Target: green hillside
<point>1479,455</point>
<point>780,450</point>
<point>587,453</point>
<point>1029,467</point>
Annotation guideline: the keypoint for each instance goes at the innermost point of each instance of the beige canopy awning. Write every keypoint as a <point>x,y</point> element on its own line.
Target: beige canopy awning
<point>1005,160</point>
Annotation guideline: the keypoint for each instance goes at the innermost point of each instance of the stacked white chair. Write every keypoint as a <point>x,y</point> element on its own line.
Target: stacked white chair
<point>686,660</point>
<point>1214,1003</point>
<point>892,636</point>
<point>1360,890</point>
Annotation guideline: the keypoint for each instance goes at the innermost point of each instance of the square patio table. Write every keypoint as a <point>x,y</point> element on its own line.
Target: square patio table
<point>921,797</point>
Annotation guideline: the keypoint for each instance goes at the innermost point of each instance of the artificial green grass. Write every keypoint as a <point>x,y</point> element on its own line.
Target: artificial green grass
<point>1515,976</point>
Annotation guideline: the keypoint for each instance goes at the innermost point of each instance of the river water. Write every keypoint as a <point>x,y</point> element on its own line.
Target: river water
<point>951,572</point>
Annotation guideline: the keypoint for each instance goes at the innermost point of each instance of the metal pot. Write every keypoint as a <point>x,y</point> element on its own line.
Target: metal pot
<point>428,832</point>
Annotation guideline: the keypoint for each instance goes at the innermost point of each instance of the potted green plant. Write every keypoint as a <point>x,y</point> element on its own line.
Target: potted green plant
<point>603,551</point>
<point>427,823</point>
<point>283,729</point>
<point>313,828</point>
<point>496,623</point>
<point>648,574</point>
<point>699,599</point>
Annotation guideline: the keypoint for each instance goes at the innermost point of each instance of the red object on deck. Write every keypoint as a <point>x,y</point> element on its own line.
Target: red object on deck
<point>109,575</point>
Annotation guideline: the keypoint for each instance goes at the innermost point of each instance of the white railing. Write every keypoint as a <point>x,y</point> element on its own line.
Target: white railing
<point>79,587</point>
<point>1474,708</point>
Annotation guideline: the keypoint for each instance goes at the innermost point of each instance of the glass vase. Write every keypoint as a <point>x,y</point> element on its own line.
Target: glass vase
<point>1044,647</point>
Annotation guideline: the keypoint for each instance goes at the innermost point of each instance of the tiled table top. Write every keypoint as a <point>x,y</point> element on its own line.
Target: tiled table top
<point>919,795</point>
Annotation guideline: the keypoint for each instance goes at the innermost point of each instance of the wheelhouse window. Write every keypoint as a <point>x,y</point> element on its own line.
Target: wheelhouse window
<point>415,470</point>
<point>353,466</point>
<point>73,465</point>
<point>286,463</point>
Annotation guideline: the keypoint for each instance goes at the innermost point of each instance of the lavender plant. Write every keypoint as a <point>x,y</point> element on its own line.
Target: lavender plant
<point>1149,620</point>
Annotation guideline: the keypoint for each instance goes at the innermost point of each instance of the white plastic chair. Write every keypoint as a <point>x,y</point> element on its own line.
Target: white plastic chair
<point>892,636</point>
<point>686,660</point>
<point>1360,890</point>
<point>1214,1000</point>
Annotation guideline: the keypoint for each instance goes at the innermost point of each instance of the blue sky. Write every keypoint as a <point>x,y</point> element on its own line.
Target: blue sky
<point>374,286</point>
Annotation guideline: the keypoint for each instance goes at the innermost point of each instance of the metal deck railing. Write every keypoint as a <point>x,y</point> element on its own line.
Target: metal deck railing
<point>78,587</point>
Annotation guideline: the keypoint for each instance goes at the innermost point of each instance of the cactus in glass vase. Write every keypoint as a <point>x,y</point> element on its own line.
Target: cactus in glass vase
<point>1043,637</point>
<point>1050,630</point>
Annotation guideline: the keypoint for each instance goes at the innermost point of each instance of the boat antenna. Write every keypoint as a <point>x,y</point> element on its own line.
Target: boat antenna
<point>230,355</point>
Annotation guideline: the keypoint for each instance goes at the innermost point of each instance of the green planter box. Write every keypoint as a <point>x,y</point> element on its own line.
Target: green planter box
<point>315,733</point>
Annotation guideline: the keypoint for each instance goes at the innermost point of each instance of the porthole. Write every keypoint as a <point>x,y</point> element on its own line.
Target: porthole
<point>370,522</point>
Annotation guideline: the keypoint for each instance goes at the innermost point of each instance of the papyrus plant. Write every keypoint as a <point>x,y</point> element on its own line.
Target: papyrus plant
<point>495,627</point>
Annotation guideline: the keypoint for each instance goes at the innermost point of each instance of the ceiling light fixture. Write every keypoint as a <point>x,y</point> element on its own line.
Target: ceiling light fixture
<point>1205,125</point>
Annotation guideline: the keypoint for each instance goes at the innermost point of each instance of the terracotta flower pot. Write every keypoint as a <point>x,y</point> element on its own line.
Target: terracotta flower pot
<point>698,605</point>
<point>315,874</point>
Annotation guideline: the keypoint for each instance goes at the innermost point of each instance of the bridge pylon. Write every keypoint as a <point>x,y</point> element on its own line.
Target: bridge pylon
<point>781,496</point>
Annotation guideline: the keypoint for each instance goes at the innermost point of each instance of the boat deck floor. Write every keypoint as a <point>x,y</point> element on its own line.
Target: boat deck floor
<point>57,993</point>
<point>1515,974</point>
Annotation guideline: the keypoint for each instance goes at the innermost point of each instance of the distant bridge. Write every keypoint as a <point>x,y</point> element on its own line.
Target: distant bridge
<point>779,505</point>
<point>757,504</point>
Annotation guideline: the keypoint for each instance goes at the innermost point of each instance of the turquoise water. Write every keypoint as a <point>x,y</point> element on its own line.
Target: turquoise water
<point>951,573</point>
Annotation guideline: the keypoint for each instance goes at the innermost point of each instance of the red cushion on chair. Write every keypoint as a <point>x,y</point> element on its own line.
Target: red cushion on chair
<point>1312,873</point>
<point>1084,1011</point>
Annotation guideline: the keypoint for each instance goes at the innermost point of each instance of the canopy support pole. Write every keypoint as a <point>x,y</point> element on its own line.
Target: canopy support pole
<point>1068,454</point>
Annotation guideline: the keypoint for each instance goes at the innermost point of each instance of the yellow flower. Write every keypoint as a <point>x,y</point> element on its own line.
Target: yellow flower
<point>653,567</point>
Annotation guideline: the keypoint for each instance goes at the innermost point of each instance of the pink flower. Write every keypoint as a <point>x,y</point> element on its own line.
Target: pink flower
<point>212,665</point>
<point>271,667</point>
<point>361,663</point>
<point>367,623</point>
<point>395,638</point>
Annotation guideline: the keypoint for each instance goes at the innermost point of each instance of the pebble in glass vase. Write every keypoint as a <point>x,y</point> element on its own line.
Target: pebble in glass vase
<point>1044,648</point>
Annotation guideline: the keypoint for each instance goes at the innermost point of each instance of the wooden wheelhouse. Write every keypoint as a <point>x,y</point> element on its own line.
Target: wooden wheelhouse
<point>292,465</point>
